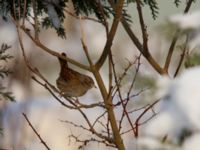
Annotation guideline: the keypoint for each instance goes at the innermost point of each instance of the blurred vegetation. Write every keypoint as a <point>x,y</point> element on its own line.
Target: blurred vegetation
<point>145,81</point>
<point>192,60</point>
<point>4,72</point>
<point>100,9</point>
<point>166,30</point>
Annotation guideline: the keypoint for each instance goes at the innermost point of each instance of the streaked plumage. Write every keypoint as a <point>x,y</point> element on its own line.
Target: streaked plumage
<point>72,83</point>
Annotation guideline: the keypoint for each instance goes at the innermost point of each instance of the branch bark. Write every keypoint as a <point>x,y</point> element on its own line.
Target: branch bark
<point>174,40</point>
<point>139,46</point>
<point>111,35</point>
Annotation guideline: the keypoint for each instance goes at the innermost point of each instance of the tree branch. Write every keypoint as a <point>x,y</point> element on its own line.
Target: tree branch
<point>111,34</point>
<point>143,26</point>
<point>139,46</point>
<point>174,40</point>
<point>35,131</point>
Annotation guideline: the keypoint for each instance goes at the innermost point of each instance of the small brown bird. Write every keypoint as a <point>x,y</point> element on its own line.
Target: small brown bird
<point>72,83</point>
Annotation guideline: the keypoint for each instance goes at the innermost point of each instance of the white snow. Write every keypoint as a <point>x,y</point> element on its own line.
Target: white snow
<point>180,109</point>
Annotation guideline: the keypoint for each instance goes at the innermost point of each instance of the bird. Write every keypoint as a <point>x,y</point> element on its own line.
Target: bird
<point>72,83</point>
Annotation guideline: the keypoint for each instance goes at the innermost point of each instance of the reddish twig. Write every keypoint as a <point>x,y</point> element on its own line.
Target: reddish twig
<point>142,114</point>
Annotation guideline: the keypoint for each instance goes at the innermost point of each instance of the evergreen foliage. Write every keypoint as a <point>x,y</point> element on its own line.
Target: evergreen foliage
<point>4,72</point>
<point>101,9</point>
<point>177,2</point>
<point>193,60</point>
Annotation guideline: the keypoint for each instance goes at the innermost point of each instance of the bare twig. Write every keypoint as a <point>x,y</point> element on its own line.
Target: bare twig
<point>82,17</point>
<point>83,41</point>
<point>24,12</point>
<point>185,49</point>
<point>70,101</point>
<point>87,141</point>
<point>143,26</point>
<point>121,100</point>
<point>54,53</point>
<point>97,119</point>
<point>171,50</point>
<point>188,5</point>
<point>105,23</point>
<point>134,77</point>
<point>142,114</point>
<point>35,131</point>
<point>118,11</point>
<point>36,28</point>
<point>174,40</point>
<point>139,46</point>
<point>137,123</point>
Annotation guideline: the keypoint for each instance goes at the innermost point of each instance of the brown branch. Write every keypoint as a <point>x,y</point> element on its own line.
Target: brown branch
<point>125,102</point>
<point>82,17</point>
<point>143,26</point>
<point>86,141</point>
<point>171,50</point>
<point>117,139</point>
<point>77,104</point>
<point>142,114</point>
<point>139,46</point>
<point>84,116</point>
<point>98,118</point>
<point>185,49</point>
<point>125,113</point>
<point>105,23</point>
<point>139,124</point>
<point>24,12</point>
<point>85,47</point>
<point>50,91</point>
<point>36,28</point>
<point>188,5</point>
<point>35,131</point>
<point>119,79</point>
<point>174,40</point>
<point>110,73</point>
<point>93,131</point>
<point>46,49</point>
<point>134,77</point>
<point>111,34</point>
<point>37,42</point>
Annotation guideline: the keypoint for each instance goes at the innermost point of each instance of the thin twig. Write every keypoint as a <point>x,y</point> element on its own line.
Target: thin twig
<point>142,114</point>
<point>121,100</point>
<point>82,17</point>
<point>35,131</point>
<point>143,26</point>
<point>185,49</point>
<point>139,46</point>
<point>105,23</point>
<point>174,40</point>
<point>171,50</point>
<point>83,41</point>
<point>24,12</point>
<point>97,119</point>
<point>36,28</point>
<point>54,53</point>
<point>134,77</point>
<point>71,102</point>
<point>118,12</point>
